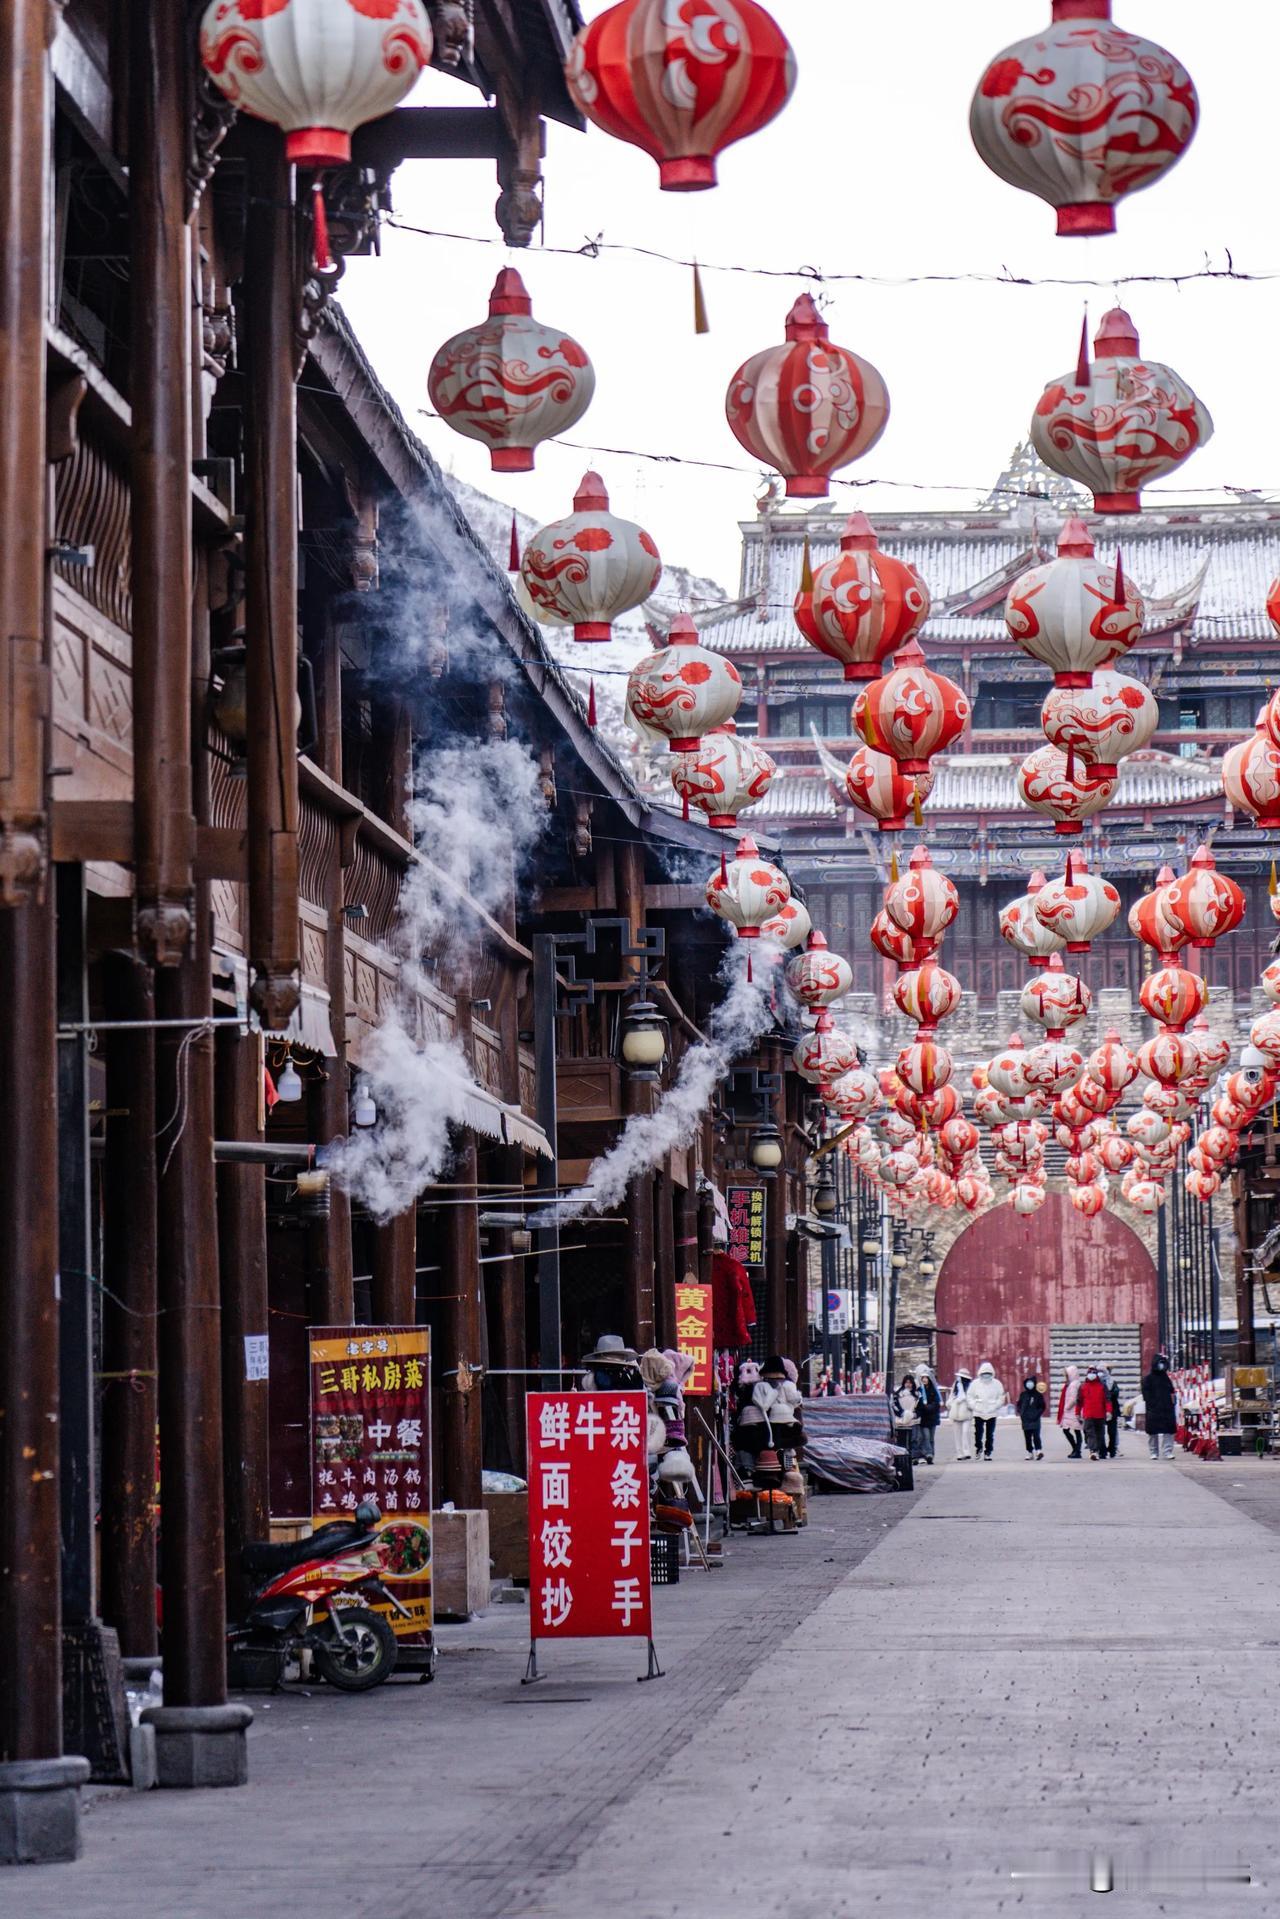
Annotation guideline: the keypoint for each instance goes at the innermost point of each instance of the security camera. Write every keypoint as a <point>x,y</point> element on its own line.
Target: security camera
<point>1253,1064</point>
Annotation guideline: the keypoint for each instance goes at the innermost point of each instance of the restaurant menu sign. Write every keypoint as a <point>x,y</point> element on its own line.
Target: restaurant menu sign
<point>371,1439</point>
<point>693,1334</point>
<point>745,1206</point>
<point>589,1516</point>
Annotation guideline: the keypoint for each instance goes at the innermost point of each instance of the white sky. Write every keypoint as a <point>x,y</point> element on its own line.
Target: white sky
<point>870,168</point>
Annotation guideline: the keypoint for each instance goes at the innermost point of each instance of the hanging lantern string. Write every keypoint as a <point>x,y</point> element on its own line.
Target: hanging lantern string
<point>594,249</point>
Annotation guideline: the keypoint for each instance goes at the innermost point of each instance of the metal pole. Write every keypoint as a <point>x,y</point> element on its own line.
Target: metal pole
<point>1164,1331</point>
<point>548,1171</point>
<point>828,1279</point>
<point>75,1261</point>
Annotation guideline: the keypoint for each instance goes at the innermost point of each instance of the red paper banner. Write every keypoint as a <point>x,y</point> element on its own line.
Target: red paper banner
<point>589,1516</point>
<point>371,1439</point>
<point>693,1335</point>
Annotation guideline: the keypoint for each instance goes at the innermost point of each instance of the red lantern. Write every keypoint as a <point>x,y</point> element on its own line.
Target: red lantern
<point>959,1136</point>
<point>1127,422</point>
<point>1173,996</point>
<point>1202,1186</point>
<point>1250,1095</point>
<point>1087,1200</point>
<point>681,82</point>
<point>1113,1066</point>
<point>1045,784</point>
<point>924,1066</point>
<point>1116,1152</point>
<point>876,785</point>
<point>1148,924</point>
<point>1093,1096</point>
<point>317,68</point>
<point>585,570</point>
<point>863,605</point>
<point>684,691</point>
<point>724,776</point>
<point>927,994</point>
<point>1083,113</point>
<point>1219,1145</point>
<point>1204,903</point>
<point>807,407</point>
<point>923,902</point>
<point>1074,614</point>
<point>818,977</point>
<point>911,713</point>
<point>1082,1168</point>
<point>933,1109</point>
<point>747,891</point>
<point>511,382</point>
<point>893,944</point>
<point>1169,1057</point>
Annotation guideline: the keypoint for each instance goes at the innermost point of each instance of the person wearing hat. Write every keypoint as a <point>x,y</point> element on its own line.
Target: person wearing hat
<point>960,1414</point>
<point>928,1411</point>
<point>1031,1405</point>
<point>779,1399</point>
<point>1161,1409</point>
<point>988,1397</point>
<point>1094,1403</point>
<point>613,1367</point>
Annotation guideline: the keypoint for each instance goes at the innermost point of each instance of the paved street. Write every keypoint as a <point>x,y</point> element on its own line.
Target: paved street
<point>906,1704</point>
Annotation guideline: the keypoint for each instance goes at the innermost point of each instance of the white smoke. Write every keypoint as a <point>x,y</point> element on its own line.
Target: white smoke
<point>733,1029</point>
<point>476,812</point>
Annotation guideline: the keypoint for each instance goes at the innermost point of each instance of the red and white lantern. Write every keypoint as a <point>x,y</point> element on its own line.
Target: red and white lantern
<point>1144,1195</point>
<point>1056,999</point>
<point>1127,422</point>
<point>585,570</point>
<point>1251,781</point>
<point>1006,1073</point>
<point>1045,785</point>
<point>893,943</point>
<point>788,928</point>
<point>747,891</point>
<point>681,82</point>
<point>854,1095</point>
<point>724,775</point>
<point>1148,923</point>
<point>1022,929</point>
<point>682,693</point>
<point>1202,1186</point>
<point>807,407</point>
<point>1116,1152</point>
<point>958,1137</point>
<point>1169,1057</point>
<point>923,902</point>
<point>1027,1198</point>
<point>1074,614</point>
<point>1103,723</point>
<point>1173,996</point>
<point>1214,1048</point>
<point>1203,903</point>
<point>1088,1201</point>
<point>511,382</point>
<point>318,69</point>
<point>911,713</point>
<point>973,1192</point>
<point>924,1066</point>
<point>876,785</point>
<point>1113,1066</point>
<point>927,994</point>
<point>826,1054</point>
<point>1079,907</point>
<point>818,977</point>
<point>1265,1035</point>
<point>1052,1065</point>
<point>1083,113</point>
<point>864,604</point>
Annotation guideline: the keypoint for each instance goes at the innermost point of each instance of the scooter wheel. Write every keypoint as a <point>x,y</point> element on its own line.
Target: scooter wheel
<point>364,1658</point>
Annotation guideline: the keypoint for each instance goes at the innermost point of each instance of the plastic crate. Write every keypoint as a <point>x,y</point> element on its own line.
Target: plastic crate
<point>664,1559</point>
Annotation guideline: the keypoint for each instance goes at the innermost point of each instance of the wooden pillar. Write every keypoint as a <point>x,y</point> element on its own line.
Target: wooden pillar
<point>271,578</point>
<point>395,1261</point>
<point>129,1311</point>
<point>242,1252</point>
<point>775,1254</point>
<point>160,476</point>
<point>637,1097</point>
<point>666,1270</point>
<point>463,1319</point>
<point>30,1596</point>
<point>504,1292</point>
<point>77,1307</point>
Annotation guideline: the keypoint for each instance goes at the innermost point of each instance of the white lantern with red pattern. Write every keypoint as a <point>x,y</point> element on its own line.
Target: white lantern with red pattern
<point>1027,1198</point>
<point>855,1095</point>
<point>1113,1066</point>
<point>826,1054</point>
<point>1052,1065</point>
<point>1022,929</point>
<point>1169,1057</point>
<point>724,776</point>
<point>927,994</point>
<point>924,1066</point>
<point>684,691</point>
<point>1077,907</point>
<point>318,69</point>
<point>1074,614</point>
<point>1251,781</point>
<point>1087,1200</point>
<point>1056,999</point>
<point>818,977</point>
<point>789,927</point>
<point>807,407</point>
<point>1047,786</point>
<point>1102,723</point>
<point>585,570</point>
<point>748,890</point>
<point>923,902</point>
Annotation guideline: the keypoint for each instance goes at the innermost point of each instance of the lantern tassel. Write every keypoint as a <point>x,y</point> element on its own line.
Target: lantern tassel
<point>806,568</point>
<point>893,867</point>
<point>513,557</point>
<point>724,868</point>
<point>1271,883</point>
<point>1071,766</point>
<point>701,324</point>
<point>321,252</point>
<point>684,806</point>
<point>1083,372</point>
<point>1121,593</point>
<point>917,810</point>
<point>750,974</point>
<point>591,704</point>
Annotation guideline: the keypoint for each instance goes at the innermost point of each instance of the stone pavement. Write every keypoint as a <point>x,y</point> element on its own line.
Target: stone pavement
<point>894,1712</point>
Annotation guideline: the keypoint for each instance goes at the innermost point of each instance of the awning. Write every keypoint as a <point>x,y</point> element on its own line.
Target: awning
<point>484,1113</point>
<point>310,1025</point>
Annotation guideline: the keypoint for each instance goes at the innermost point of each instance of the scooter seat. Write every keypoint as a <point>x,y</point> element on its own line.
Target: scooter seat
<point>260,1556</point>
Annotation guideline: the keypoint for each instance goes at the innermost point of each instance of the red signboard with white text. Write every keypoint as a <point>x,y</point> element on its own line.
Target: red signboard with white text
<point>588,1516</point>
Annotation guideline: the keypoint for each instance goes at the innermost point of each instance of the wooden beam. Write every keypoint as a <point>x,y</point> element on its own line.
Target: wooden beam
<point>428,133</point>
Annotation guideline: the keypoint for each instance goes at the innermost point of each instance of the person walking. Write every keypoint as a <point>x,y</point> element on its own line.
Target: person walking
<point>1031,1405</point>
<point>1113,1410</point>
<point>929,1411</point>
<point>987,1396</point>
<point>1161,1409</point>
<point>1094,1403</point>
<point>1069,1411</point>
<point>906,1415</point>
<point>960,1414</point>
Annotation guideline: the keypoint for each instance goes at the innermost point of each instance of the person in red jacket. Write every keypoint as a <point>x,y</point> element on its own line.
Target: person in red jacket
<point>1094,1407</point>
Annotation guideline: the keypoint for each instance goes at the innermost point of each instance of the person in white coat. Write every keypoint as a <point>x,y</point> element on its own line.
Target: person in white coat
<point>986,1395</point>
<point>960,1413</point>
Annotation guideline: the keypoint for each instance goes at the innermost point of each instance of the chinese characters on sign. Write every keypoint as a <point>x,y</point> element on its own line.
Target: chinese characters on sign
<point>371,1439</point>
<point>588,1516</point>
<point>693,1334</point>
<point>746,1224</point>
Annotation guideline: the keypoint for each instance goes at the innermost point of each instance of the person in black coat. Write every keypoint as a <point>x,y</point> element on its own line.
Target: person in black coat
<point>928,1412</point>
<point>1161,1408</point>
<point>1031,1404</point>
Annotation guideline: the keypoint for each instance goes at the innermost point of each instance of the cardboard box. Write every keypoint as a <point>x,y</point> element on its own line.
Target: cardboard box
<point>508,1535</point>
<point>460,1563</point>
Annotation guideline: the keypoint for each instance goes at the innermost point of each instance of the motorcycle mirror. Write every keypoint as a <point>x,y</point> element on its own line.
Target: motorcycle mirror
<point>368,1512</point>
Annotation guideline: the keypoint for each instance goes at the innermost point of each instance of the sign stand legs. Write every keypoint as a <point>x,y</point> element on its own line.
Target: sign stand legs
<point>531,1673</point>
<point>655,1670</point>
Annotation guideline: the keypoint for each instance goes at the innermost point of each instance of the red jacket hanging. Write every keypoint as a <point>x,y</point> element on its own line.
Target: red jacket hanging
<point>733,1302</point>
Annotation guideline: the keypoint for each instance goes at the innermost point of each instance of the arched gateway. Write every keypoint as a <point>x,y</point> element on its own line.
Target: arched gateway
<point>1031,1295</point>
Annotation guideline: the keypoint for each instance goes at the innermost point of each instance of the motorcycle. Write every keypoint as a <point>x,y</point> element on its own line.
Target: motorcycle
<point>313,1595</point>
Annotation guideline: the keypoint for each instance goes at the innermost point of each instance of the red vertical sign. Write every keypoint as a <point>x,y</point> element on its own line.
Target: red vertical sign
<point>588,1516</point>
<point>693,1335</point>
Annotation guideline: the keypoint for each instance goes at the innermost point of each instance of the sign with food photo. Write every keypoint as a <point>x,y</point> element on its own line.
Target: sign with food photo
<point>371,1439</point>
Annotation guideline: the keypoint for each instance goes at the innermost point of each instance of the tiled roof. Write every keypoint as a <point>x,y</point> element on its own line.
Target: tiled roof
<point>1214,563</point>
